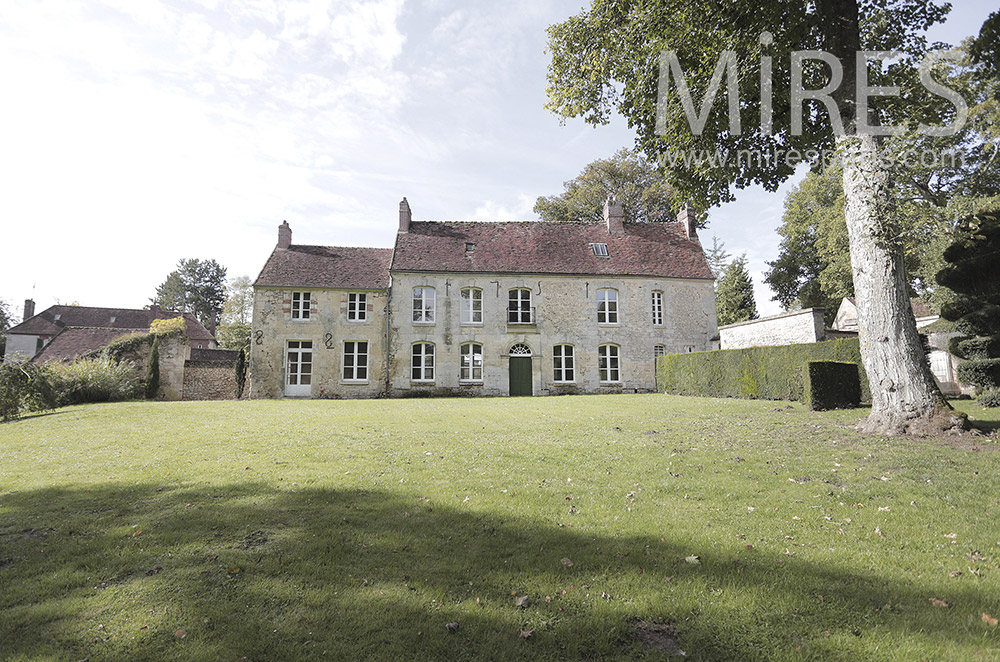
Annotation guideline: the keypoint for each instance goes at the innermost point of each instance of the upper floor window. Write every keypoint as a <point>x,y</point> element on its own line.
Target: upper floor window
<point>607,306</point>
<point>355,361</point>
<point>300,305</point>
<point>657,308</point>
<point>423,305</point>
<point>471,369</point>
<point>357,306</point>
<point>422,362</point>
<point>608,365</point>
<point>563,368</point>
<point>519,310</point>
<point>472,305</point>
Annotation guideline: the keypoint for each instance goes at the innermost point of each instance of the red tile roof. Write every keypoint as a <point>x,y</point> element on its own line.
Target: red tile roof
<point>327,266</point>
<point>73,342</point>
<point>646,249</point>
<point>56,318</point>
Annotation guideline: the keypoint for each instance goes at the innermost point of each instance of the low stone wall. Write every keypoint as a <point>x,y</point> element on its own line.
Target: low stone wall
<point>800,326</point>
<point>209,380</point>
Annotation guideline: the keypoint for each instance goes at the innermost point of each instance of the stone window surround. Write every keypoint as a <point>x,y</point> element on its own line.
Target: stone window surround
<point>425,314</point>
<point>472,368</point>
<point>607,306</point>
<point>357,363</point>
<point>468,305</point>
<point>609,354</point>
<point>357,305</point>
<point>657,304</point>
<point>563,357</point>
<point>424,366</point>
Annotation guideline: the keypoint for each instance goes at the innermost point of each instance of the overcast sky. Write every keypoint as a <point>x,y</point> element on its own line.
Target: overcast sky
<point>134,133</point>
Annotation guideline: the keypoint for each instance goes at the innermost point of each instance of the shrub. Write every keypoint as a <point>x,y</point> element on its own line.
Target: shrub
<point>93,380</point>
<point>164,327</point>
<point>241,372</point>
<point>24,387</point>
<point>990,398</point>
<point>768,373</point>
<point>831,385</point>
<point>983,373</point>
<point>153,370</point>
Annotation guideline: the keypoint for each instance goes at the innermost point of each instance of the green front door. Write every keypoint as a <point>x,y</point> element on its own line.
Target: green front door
<point>520,375</point>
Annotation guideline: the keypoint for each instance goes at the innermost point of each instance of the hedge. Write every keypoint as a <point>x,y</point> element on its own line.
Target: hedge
<point>831,385</point>
<point>767,373</point>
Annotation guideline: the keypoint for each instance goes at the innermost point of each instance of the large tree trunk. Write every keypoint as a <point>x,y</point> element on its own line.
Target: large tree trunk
<point>905,398</point>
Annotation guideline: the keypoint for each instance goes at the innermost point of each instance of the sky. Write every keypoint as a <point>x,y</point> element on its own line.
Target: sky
<point>135,133</point>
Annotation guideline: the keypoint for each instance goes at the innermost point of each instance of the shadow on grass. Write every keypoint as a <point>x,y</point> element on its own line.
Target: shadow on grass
<point>246,571</point>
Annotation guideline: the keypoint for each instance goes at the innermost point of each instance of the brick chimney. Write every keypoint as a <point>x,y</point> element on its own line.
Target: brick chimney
<point>614,216</point>
<point>29,309</point>
<point>405,216</point>
<point>687,220</point>
<point>284,235</point>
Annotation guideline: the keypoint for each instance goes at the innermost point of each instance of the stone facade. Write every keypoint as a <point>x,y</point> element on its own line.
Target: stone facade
<point>565,311</point>
<point>595,304</point>
<point>800,326</point>
<point>327,329</point>
<point>209,380</point>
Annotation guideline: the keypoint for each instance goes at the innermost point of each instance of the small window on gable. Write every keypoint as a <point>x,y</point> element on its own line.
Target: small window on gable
<point>600,250</point>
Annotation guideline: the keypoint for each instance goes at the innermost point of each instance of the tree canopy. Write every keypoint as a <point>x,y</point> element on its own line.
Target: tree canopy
<point>634,182</point>
<point>195,286</point>
<point>234,329</point>
<point>734,300</point>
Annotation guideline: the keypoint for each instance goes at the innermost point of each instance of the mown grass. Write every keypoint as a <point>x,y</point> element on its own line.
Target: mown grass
<point>329,530</point>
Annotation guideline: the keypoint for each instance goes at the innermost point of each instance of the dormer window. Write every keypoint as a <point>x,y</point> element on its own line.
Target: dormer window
<point>600,250</point>
<point>112,320</point>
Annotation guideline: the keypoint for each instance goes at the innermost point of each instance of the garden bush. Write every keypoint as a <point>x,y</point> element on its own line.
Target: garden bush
<point>831,385</point>
<point>93,380</point>
<point>767,373</point>
<point>990,398</point>
<point>24,387</point>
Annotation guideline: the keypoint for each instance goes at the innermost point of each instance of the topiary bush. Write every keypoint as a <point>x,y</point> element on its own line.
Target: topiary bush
<point>831,385</point>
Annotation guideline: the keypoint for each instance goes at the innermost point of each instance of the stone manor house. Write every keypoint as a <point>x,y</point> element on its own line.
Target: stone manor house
<point>481,308</point>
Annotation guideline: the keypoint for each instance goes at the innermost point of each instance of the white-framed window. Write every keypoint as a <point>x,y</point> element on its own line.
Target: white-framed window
<point>471,369</point>
<point>298,364</point>
<point>657,308</point>
<point>608,366</point>
<point>357,307</point>
<point>423,305</point>
<point>563,364</point>
<point>659,350</point>
<point>600,250</point>
<point>472,305</point>
<point>301,302</point>
<point>519,310</point>
<point>688,349</point>
<point>422,362</point>
<point>355,361</point>
<point>607,306</point>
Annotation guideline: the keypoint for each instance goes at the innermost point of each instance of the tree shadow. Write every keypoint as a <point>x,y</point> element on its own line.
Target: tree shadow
<point>252,572</point>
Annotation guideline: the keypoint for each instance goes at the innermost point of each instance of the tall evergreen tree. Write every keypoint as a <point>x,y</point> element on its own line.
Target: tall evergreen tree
<point>973,275</point>
<point>195,286</point>
<point>734,301</point>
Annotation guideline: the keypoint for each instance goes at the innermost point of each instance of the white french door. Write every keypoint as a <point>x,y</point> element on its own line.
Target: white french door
<point>298,368</point>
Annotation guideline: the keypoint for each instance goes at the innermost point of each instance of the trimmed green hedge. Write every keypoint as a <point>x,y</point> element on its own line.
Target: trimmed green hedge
<point>831,385</point>
<point>767,373</point>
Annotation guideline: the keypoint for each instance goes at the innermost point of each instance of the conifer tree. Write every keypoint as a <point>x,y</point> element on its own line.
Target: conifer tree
<point>734,300</point>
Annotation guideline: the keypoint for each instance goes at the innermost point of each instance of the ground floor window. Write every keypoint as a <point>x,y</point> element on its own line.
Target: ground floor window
<point>608,366</point>
<point>472,363</point>
<point>355,361</point>
<point>563,369</point>
<point>298,367</point>
<point>422,362</point>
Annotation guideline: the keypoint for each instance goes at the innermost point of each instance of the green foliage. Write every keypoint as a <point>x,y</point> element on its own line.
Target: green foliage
<point>238,308</point>
<point>630,178</point>
<point>769,373</point>
<point>718,258</point>
<point>196,286</point>
<point>168,326</point>
<point>984,373</point>
<point>241,371</point>
<point>152,383</point>
<point>734,301</point>
<point>6,321</point>
<point>93,380</point>
<point>972,273</point>
<point>990,398</point>
<point>233,336</point>
<point>831,385</point>
<point>24,387</point>
<point>125,347</point>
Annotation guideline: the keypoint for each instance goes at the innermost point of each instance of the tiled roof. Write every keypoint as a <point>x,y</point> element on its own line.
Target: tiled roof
<point>71,343</point>
<point>327,266</point>
<point>56,318</point>
<point>646,249</point>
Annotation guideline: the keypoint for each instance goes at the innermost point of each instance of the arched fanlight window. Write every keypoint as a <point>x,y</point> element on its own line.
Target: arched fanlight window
<point>520,349</point>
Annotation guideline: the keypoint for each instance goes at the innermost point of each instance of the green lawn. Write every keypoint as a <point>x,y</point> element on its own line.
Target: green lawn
<point>342,530</point>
